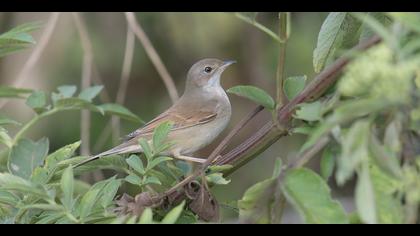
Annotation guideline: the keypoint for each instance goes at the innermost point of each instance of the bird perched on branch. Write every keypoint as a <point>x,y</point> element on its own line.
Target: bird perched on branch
<point>197,118</point>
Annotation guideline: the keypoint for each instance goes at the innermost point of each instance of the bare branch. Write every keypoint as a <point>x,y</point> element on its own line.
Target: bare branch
<point>86,81</point>
<point>125,75</point>
<point>36,54</point>
<point>153,55</point>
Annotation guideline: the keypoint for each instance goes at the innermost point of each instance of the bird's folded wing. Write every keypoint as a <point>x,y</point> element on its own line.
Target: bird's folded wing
<point>179,121</point>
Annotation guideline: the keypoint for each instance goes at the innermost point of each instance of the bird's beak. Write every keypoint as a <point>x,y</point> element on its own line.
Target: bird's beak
<point>227,63</point>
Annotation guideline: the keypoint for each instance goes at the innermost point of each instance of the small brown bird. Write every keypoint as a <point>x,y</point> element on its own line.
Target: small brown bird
<point>197,118</point>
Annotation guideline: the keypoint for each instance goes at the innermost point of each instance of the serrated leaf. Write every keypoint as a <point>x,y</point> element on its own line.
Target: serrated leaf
<point>26,155</point>
<point>174,214</point>
<point>365,196</point>
<point>133,179</point>
<point>67,90</point>
<point>134,162</point>
<point>292,86</point>
<point>309,111</point>
<point>337,28</point>
<point>120,111</point>
<point>90,93</point>
<point>255,94</point>
<point>160,133</point>
<point>327,163</point>
<point>217,178</point>
<point>67,186</point>
<point>310,195</point>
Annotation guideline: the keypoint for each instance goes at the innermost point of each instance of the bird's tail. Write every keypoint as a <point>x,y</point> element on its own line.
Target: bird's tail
<point>120,149</point>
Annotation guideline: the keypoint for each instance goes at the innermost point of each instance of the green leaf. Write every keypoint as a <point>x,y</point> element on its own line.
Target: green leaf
<point>37,100</point>
<point>61,154</point>
<point>67,186</point>
<point>16,183</point>
<point>255,94</point>
<point>365,196</point>
<point>8,198</point>
<point>292,86</point>
<point>409,19</point>
<point>174,214</point>
<point>354,150</point>
<point>156,161</point>
<point>133,179</point>
<point>366,31</point>
<point>152,180</point>
<point>109,192</point>
<point>120,111</point>
<point>146,148</point>
<point>134,162</point>
<point>309,111</point>
<point>26,155</point>
<point>87,202</point>
<point>339,29</point>
<point>146,217</point>
<point>310,195</point>
<point>90,93</point>
<point>17,38</point>
<point>5,138</point>
<point>219,168</point>
<point>327,163</point>
<point>11,92</point>
<point>77,104</point>
<point>217,178</point>
<point>385,159</point>
<point>160,134</point>
<point>67,90</point>
<point>255,203</point>
<point>7,121</point>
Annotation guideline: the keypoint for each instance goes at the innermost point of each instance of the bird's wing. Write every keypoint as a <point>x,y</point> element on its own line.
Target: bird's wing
<point>179,120</point>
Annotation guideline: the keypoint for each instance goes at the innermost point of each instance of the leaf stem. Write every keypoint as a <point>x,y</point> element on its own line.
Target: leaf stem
<point>259,26</point>
<point>283,35</point>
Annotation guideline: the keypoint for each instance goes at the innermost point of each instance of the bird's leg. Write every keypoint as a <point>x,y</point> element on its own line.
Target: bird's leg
<point>178,155</point>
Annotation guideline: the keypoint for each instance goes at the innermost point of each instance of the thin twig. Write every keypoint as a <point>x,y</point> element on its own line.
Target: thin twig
<point>222,145</point>
<point>86,81</point>
<point>153,55</point>
<point>125,76</point>
<point>281,98</point>
<point>259,26</point>
<point>36,54</point>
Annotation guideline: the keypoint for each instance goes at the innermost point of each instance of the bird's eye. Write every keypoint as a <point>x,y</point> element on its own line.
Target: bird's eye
<point>207,69</point>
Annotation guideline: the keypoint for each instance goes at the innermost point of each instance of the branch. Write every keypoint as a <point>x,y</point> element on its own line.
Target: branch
<point>152,54</point>
<point>281,98</point>
<point>86,81</point>
<point>268,134</point>
<point>36,54</point>
<point>125,76</point>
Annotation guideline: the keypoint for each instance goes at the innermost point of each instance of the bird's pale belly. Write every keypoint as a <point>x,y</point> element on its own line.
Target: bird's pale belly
<point>193,139</point>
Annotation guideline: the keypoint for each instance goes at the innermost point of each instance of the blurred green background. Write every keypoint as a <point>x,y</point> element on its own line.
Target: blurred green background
<point>180,39</point>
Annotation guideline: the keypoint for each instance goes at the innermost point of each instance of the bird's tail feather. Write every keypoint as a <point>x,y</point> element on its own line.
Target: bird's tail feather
<point>120,149</point>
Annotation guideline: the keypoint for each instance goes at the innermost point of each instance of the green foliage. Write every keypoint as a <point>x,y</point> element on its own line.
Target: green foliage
<point>293,86</point>
<point>17,38</point>
<point>254,94</point>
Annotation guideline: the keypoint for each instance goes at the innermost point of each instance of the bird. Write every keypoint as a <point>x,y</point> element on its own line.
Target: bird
<point>197,117</point>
